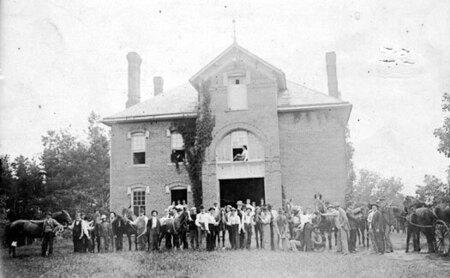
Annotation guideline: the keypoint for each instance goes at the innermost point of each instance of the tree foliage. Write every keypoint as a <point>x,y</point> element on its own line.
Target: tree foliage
<point>72,174</point>
<point>370,186</point>
<point>434,191</point>
<point>197,136</point>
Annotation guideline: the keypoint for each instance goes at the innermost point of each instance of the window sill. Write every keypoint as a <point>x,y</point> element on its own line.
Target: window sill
<point>139,166</point>
<point>236,110</point>
<point>241,162</point>
<point>179,163</point>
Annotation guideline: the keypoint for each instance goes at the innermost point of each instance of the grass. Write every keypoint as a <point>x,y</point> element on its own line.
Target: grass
<point>242,263</point>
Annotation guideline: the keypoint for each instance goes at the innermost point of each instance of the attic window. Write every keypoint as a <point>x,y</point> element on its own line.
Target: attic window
<point>237,92</point>
<point>237,82</point>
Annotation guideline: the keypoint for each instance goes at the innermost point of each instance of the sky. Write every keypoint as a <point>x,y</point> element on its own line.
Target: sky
<point>59,60</point>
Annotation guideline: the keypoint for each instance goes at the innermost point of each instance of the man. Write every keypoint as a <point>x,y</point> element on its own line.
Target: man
<point>341,223</point>
<point>103,234</point>
<point>76,233</point>
<point>193,230</point>
<point>317,240</point>
<point>141,227</point>
<point>153,228</point>
<point>210,229</point>
<point>247,223</point>
<point>378,227</point>
<point>234,221</point>
<point>49,228</point>
<point>241,233</point>
<point>389,220</point>
<point>117,228</point>
<point>306,223</point>
<point>370,228</point>
<point>200,222</point>
<point>353,225</point>
<point>112,216</point>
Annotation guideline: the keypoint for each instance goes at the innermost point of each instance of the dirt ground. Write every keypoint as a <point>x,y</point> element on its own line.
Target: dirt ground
<point>224,263</point>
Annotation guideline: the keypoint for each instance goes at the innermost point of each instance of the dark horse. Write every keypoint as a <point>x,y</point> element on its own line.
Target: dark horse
<point>419,219</point>
<point>18,230</point>
<point>325,223</point>
<point>362,225</point>
<point>173,228</point>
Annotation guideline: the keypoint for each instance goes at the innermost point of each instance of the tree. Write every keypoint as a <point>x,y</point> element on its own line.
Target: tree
<point>197,136</point>
<point>434,191</point>
<point>370,186</point>
<point>443,133</point>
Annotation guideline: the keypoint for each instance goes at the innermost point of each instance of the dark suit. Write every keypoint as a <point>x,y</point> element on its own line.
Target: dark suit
<point>378,226</point>
<point>153,234</point>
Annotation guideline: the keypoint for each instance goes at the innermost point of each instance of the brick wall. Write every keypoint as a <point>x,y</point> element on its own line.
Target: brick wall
<point>156,173</point>
<point>313,155</point>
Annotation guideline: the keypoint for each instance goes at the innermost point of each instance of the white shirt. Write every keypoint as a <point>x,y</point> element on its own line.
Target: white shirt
<point>201,219</point>
<point>209,219</point>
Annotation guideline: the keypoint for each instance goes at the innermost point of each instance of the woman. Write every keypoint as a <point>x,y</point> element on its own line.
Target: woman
<point>266,219</point>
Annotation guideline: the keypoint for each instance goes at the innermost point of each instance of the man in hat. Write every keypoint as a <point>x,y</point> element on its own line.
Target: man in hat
<point>153,228</point>
<point>247,223</point>
<point>341,223</point>
<point>241,233</point>
<point>49,228</point>
<point>141,228</point>
<point>200,222</point>
<point>378,227</point>
<point>317,240</point>
<point>389,220</point>
<point>352,221</point>
<point>234,222</point>
<point>103,233</point>
<point>193,230</point>
<point>210,229</point>
<point>369,227</point>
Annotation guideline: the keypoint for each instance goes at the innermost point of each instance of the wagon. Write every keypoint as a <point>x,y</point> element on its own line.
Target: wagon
<point>442,237</point>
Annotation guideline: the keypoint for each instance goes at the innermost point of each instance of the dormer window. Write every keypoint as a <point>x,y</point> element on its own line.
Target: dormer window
<point>237,91</point>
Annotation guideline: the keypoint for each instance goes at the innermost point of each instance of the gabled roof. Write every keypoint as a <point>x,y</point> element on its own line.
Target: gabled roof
<point>180,102</point>
<point>235,49</point>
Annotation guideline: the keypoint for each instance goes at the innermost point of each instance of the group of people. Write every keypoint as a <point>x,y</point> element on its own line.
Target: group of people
<point>288,228</point>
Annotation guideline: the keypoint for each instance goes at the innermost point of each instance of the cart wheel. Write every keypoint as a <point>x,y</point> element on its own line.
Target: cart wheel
<point>442,235</point>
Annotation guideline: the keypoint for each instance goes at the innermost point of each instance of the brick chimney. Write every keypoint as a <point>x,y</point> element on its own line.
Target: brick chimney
<point>158,85</point>
<point>134,79</point>
<point>333,91</point>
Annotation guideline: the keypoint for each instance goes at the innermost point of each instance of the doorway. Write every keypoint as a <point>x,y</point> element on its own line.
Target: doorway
<point>233,190</point>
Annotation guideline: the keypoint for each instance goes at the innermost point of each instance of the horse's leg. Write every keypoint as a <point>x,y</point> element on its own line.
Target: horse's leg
<point>329,239</point>
<point>408,236</point>
<point>136,242</point>
<point>129,241</point>
<point>335,236</point>
<point>358,235</point>
<point>430,240</point>
<point>363,236</point>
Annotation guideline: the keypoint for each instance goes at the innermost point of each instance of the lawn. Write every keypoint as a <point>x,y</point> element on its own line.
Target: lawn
<point>243,263</point>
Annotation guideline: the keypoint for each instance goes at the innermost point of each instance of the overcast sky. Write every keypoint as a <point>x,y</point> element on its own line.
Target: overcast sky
<point>62,59</point>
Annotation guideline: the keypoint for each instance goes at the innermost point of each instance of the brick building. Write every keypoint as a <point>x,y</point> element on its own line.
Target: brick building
<point>295,137</point>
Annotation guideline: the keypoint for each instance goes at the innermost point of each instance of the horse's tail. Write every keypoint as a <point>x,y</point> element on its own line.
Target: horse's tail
<point>7,240</point>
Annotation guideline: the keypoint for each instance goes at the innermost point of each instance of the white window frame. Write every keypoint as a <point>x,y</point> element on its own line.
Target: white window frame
<point>144,193</point>
<point>144,149</point>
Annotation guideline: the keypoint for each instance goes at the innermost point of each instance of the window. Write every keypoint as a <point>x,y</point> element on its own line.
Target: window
<point>178,153</point>
<point>138,148</point>
<point>138,201</point>
<point>237,91</point>
<point>233,143</point>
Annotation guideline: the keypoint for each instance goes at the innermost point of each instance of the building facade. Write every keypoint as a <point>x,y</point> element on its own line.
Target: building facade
<point>294,136</point>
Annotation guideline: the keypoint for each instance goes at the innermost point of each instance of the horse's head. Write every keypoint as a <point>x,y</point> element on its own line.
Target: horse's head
<point>63,217</point>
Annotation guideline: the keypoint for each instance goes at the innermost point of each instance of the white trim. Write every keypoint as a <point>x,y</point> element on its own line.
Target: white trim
<point>313,107</point>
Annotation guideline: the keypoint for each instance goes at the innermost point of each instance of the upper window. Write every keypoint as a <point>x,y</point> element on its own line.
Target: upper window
<point>138,201</point>
<point>138,147</point>
<point>240,145</point>
<point>178,153</point>
<point>237,92</point>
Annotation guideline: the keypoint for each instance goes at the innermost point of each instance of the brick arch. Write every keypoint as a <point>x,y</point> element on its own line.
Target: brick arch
<point>226,129</point>
<point>169,186</point>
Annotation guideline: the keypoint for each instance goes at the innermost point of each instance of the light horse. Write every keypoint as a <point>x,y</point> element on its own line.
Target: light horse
<point>325,223</point>
<point>173,228</point>
<point>17,231</point>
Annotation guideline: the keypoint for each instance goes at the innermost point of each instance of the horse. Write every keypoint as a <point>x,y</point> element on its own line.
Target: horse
<point>174,228</point>
<point>325,223</point>
<point>362,225</point>
<point>18,230</point>
<point>419,219</point>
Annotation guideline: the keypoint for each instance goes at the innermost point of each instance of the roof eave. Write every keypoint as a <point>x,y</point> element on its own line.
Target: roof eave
<point>133,119</point>
<point>306,107</point>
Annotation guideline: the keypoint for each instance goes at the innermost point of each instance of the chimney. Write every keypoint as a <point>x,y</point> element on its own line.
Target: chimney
<point>134,79</point>
<point>158,85</point>
<point>330,58</point>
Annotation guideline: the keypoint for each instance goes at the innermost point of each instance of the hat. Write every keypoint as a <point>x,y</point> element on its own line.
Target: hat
<point>233,209</point>
<point>374,204</point>
<point>239,203</point>
<point>103,216</point>
<point>193,208</point>
<point>249,208</point>
<point>48,213</point>
<point>211,208</point>
<point>154,211</point>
